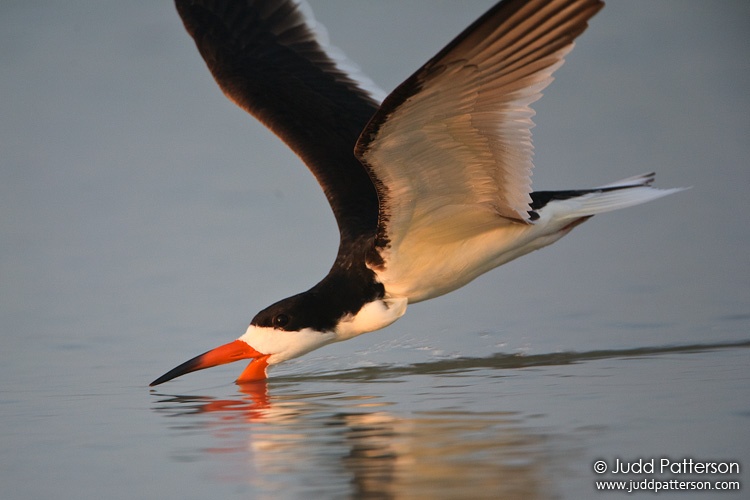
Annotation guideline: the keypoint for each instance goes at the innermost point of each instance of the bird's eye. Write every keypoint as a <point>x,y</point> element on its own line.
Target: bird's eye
<point>280,320</point>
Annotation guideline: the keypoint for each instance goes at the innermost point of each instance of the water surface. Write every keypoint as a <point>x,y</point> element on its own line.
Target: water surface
<point>145,219</point>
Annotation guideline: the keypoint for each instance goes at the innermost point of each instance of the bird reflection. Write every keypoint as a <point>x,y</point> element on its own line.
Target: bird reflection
<point>249,407</point>
<point>362,438</point>
<point>345,444</point>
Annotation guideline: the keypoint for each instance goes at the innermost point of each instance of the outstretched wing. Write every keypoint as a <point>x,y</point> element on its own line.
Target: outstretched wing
<point>455,137</point>
<point>268,58</point>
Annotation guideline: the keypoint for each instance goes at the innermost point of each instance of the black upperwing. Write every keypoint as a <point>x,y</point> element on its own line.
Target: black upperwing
<point>267,59</point>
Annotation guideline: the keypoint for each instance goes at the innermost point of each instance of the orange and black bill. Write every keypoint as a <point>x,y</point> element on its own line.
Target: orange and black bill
<point>228,353</point>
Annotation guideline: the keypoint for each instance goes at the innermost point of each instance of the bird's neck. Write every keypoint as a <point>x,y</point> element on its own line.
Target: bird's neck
<point>372,316</point>
<point>360,296</point>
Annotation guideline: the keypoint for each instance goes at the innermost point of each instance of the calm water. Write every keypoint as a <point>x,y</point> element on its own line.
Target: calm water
<point>145,220</point>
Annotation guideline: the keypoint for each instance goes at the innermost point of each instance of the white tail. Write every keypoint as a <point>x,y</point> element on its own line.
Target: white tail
<point>621,194</point>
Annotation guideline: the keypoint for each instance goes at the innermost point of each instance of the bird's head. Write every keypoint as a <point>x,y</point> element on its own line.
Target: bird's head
<point>285,330</point>
<point>293,327</point>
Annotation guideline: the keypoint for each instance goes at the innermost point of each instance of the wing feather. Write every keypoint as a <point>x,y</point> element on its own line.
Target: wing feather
<point>457,133</point>
<point>269,58</point>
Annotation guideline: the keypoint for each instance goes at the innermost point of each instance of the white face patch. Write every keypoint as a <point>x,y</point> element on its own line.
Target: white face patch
<point>282,345</point>
<point>373,316</point>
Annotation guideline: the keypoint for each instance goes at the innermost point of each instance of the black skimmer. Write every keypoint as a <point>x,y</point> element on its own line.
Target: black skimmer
<point>430,188</point>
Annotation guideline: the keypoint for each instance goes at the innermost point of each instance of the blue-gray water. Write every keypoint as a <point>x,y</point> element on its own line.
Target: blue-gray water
<point>145,219</point>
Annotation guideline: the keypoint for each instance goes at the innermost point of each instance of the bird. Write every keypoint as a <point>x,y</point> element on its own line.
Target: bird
<point>430,186</point>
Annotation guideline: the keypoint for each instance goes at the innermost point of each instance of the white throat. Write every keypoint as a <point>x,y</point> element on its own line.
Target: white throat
<point>373,316</point>
<point>281,346</point>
